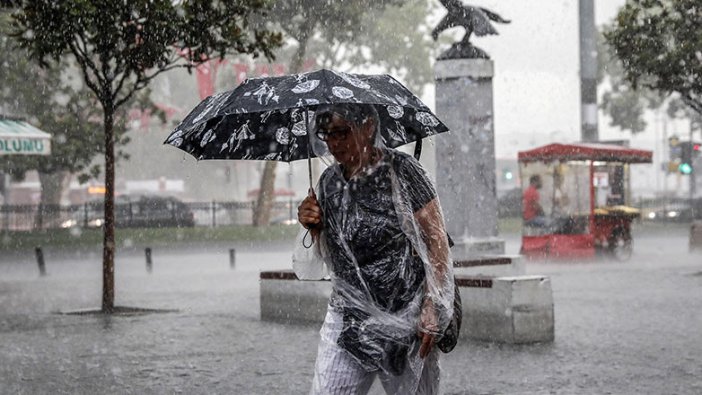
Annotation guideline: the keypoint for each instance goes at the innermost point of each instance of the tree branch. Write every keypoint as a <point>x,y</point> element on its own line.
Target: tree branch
<point>141,83</point>
<point>85,67</point>
<point>81,47</point>
<point>691,102</point>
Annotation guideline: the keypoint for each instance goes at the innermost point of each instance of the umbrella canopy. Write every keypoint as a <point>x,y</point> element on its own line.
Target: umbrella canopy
<point>267,118</point>
<point>18,137</point>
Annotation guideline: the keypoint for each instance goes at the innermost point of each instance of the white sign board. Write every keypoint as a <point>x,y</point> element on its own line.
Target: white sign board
<point>20,138</point>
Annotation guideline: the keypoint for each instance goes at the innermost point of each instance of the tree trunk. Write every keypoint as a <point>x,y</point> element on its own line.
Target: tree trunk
<point>52,185</point>
<point>264,203</point>
<point>108,246</point>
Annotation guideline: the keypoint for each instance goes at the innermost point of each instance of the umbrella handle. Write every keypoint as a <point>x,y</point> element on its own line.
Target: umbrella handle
<point>309,155</point>
<point>309,169</point>
<point>307,233</point>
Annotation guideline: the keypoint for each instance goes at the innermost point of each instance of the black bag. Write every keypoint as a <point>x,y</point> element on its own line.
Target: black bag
<point>449,339</point>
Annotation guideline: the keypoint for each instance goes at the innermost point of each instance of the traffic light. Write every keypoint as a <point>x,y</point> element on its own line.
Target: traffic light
<point>507,174</point>
<point>689,150</point>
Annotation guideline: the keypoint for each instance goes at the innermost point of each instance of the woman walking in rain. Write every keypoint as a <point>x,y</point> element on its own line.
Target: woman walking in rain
<point>377,224</point>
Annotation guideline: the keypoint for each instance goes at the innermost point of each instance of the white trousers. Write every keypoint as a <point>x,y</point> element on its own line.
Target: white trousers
<point>337,373</point>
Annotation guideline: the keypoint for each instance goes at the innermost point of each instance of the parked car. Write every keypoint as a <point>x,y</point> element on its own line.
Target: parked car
<point>139,212</point>
<point>157,212</point>
<point>211,214</point>
<point>678,210</point>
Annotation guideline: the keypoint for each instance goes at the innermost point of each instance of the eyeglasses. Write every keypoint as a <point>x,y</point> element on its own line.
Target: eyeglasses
<point>339,134</point>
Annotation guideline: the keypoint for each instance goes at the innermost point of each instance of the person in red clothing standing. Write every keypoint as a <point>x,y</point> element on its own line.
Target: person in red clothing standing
<point>532,211</point>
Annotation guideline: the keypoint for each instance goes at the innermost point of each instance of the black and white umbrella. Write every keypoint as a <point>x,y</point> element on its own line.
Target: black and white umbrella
<point>267,118</point>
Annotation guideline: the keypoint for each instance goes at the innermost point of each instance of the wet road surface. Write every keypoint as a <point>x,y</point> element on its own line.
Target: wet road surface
<point>621,328</point>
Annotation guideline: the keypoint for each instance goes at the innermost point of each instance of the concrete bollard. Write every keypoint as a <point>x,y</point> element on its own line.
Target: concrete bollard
<point>149,264</point>
<point>40,261</point>
<point>232,258</point>
<point>695,236</point>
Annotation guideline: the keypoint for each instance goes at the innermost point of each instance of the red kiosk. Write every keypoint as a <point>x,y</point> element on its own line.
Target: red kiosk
<point>575,200</point>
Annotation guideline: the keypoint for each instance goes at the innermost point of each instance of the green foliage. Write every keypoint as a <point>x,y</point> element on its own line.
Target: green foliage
<point>396,38</point>
<point>624,104</point>
<point>389,34</point>
<point>333,20</point>
<point>50,100</point>
<point>56,101</point>
<point>118,47</point>
<point>333,23</point>
<point>72,239</point>
<point>122,45</point>
<point>660,45</point>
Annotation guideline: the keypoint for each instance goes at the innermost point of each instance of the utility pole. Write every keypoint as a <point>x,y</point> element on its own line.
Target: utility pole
<point>588,71</point>
<point>693,175</point>
<point>666,152</point>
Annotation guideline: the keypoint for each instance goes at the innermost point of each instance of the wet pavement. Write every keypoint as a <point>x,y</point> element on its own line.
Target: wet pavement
<point>621,328</point>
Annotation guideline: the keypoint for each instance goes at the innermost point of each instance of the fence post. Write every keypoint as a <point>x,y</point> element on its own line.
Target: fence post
<point>5,216</point>
<point>40,219</point>
<point>291,209</point>
<point>149,264</point>
<point>214,214</point>
<point>85,214</point>
<point>40,261</point>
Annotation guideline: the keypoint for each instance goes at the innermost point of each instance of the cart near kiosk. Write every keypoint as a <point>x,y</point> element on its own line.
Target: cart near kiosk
<point>576,200</point>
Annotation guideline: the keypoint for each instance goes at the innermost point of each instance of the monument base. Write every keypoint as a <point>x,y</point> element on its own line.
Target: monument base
<point>475,247</point>
<point>492,266</point>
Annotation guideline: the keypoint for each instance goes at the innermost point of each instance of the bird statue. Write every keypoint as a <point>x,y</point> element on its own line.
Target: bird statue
<point>474,20</point>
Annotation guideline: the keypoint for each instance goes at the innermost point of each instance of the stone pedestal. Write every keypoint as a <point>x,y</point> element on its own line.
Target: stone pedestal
<point>490,266</point>
<point>517,309</point>
<point>465,158</point>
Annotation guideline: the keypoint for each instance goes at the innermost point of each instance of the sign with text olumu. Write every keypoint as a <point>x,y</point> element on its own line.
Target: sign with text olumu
<point>19,146</point>
<point>20,138</point>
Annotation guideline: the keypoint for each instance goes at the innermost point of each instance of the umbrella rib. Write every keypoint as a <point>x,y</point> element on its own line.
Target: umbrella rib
<point>326,84</point>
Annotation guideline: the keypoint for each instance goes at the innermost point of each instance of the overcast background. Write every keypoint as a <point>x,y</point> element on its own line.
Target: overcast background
<point>537,85</point>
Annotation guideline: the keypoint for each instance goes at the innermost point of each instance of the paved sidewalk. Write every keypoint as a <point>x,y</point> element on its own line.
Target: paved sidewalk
<point>621,328</point>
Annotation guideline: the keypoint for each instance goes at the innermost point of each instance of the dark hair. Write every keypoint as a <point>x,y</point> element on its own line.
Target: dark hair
<point>534,178</point>
<point>352,112</point>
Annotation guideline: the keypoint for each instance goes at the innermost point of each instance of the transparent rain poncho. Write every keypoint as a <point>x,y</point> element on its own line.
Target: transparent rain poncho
<point>385,247</point>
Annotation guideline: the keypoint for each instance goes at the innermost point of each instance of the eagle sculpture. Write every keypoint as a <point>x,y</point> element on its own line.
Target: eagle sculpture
<point>474,20</point>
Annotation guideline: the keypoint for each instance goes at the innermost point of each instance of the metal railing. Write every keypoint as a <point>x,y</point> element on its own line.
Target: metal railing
<point>30,217</point>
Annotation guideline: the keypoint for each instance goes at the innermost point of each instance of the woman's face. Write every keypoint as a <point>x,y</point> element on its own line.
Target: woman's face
<point>347,141</point>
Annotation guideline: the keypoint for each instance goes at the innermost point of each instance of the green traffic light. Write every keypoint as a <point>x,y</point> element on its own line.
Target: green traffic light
<point>685,168</point>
